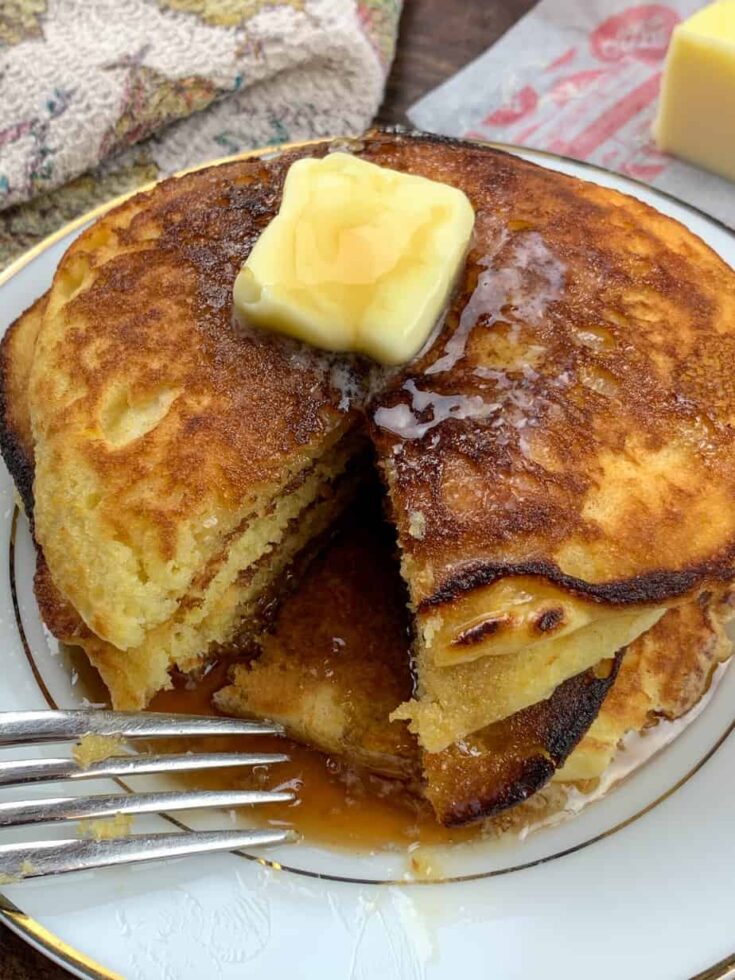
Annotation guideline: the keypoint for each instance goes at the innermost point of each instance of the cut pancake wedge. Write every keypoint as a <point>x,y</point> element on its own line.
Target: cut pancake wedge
<point>455,701</point>
<point>171,447</point>
<point>202,630</point>
<point>336,664</point>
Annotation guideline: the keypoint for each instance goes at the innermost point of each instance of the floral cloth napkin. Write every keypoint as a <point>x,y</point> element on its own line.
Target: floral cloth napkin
<point>100,96</point>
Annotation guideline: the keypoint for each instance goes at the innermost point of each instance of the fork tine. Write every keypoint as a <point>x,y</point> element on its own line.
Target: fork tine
<point>94,807</point>
<point>16,773</point>
<point>22,727</point>
<point>58,857</point>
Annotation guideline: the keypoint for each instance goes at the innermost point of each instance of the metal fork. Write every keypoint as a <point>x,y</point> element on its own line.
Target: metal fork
<point>39,858</point>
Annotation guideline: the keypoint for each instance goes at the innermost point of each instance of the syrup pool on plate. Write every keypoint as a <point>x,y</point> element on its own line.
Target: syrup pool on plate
<point>337,805</point>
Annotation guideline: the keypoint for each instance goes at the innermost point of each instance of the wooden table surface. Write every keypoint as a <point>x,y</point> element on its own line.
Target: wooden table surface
<point>437,38</point>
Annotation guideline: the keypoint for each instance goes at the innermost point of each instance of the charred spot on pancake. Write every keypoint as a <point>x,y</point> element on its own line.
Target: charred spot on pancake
<point>488,627</point>
<point>15,453</point>
<point>650,587</point>
<point>58,615</point>
<point>549,620</point>
<point>16,440</point>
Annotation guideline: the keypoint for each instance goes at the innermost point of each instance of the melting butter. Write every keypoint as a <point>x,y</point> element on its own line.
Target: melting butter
<point>359,258</point>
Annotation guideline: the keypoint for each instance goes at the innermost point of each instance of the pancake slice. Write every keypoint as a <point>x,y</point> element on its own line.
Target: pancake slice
<point>336,663</point>
<point>229,596</point>
<point>171,446</point>
<point>560,462</point>
<point>663,675</point>
<point>200,631</point>
<point>455,701</point>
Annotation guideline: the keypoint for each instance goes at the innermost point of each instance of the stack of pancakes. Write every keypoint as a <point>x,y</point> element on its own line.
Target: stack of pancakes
<point>559,471</point>
<point>177,469</point>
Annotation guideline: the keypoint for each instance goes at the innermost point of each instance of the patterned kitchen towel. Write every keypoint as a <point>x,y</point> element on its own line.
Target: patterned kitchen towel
<point>100,96</point>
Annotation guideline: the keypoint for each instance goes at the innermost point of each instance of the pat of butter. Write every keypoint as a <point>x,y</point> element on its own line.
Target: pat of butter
<point>696,118</point>
<point>359,258</point>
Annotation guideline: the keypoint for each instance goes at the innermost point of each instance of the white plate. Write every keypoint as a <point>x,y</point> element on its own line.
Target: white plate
<point>640,884</point>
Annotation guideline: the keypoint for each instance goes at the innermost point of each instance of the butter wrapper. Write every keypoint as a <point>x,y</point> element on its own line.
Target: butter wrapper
<point>579,78</point>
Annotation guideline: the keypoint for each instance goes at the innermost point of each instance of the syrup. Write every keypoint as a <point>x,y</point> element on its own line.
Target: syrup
<point>337,805</point>
<point>345,630</point>
<point>522,288</point>
<point>518,291</point>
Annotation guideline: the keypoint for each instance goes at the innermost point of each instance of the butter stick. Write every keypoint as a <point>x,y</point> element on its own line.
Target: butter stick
<point>696,118</point>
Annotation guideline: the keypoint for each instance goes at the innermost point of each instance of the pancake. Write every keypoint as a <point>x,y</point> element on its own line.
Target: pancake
<point>559,461</point>
<point>663,675</point>
<point>163,435</point>
<point>135,676</point>
<point>335,665</point>
<point>178,470</point>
